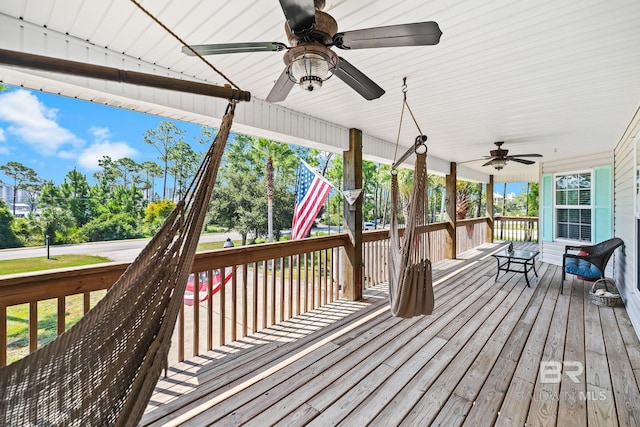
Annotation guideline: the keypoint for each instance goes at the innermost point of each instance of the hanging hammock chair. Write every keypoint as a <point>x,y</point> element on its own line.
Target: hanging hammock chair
<point>410,275</point>
<point>103,370</point>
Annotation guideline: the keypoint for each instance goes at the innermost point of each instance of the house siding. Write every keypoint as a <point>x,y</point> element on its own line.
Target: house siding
<point>624,199</point>
<point>551,251</point>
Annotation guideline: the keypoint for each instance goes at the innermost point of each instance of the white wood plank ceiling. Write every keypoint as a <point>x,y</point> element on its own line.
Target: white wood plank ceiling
<point>559,78</point>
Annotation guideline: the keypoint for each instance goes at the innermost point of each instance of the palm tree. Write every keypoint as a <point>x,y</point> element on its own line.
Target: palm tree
<point>275,156</point>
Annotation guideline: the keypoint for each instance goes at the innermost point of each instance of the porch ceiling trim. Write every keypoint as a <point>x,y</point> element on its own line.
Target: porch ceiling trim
<point>256,118</point>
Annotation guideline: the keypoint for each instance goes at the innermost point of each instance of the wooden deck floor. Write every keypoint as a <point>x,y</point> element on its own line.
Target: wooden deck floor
<point>475,361</point>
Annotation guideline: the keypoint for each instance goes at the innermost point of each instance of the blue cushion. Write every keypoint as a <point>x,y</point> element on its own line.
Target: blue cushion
<point>582,268</point>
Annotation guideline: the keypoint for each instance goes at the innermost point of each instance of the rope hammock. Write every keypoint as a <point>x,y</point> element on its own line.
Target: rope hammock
<point>103,370</point>
<point>410,280</point>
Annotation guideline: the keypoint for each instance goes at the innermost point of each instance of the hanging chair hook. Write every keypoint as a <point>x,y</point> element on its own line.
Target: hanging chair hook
<point>231,106</point>
<point>420,145</point>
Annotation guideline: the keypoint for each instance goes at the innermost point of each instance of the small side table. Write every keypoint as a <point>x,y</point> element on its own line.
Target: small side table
<point>516,261</point>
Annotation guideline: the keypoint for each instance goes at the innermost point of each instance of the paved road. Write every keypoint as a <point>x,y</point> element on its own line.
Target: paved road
<point>119,250</point>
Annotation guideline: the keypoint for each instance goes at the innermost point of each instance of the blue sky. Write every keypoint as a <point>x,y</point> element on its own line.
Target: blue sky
<point>53,134</point>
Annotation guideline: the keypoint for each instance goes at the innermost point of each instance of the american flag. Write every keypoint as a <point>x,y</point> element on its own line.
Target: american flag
<point>311,193</point>
<point>202,293</point>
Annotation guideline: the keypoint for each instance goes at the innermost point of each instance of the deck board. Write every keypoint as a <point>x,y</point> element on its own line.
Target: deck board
<point>474,361</point>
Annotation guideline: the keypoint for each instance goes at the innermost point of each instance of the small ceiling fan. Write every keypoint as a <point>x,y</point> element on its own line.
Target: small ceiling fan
<point>499,157</point>
<point>310,61</point>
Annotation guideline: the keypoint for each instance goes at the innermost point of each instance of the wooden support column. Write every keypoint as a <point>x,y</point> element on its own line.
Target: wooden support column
<point>352,179</point>
<point>489,212</point>
<point>450,206</point>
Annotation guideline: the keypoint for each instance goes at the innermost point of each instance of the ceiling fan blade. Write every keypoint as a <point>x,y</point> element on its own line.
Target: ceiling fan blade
<point>523,161</point>
<point>300,14</point>
<point>218,49</point>
<point>417,34</point>
<point>526,155</point>
<point>488,163</point>
<point>357,80</point>
<point>469,161</point>
<point>281,89</point>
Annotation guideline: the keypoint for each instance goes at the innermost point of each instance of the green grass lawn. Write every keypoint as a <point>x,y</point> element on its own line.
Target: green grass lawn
<point>23,265</point>
<point>18,322</point>
<point>214,245</point>
<point>18,315</point>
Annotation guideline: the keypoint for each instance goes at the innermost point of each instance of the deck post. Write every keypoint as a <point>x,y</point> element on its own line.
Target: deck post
<point>450,205</point>
<point>489,213</point>
<point>352,180</point>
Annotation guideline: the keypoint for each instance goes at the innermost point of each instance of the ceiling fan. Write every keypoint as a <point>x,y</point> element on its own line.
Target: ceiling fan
<point>499,157</point>
<point>310,61</point>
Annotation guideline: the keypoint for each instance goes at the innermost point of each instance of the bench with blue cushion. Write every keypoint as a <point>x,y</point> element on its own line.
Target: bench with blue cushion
<point>591,261</point>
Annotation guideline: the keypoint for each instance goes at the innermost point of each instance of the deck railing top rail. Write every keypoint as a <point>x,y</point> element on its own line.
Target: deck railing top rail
<point>36,286</point>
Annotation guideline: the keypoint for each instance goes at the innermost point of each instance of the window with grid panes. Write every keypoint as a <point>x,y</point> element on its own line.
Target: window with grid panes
<point>573,206</point>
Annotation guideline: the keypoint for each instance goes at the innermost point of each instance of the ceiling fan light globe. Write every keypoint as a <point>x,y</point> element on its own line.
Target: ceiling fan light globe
<point>309,65</point>
<point>498,164</point>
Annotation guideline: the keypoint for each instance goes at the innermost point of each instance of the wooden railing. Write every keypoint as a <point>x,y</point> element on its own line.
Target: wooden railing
<point>375,250</point>
<point>267,283</point>
<point>469,234</point>
<point>516,229</point>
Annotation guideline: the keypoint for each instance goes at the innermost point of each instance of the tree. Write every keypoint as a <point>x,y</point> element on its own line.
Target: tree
<point>279,161</point>
<point>152,171</point>
<point>32,190</point>
<point>466,197</point>
<point>235,203</point>
<point>155,214</point>
<point>125,200</point>
<point>437,188</point>
<point>58,224</point>
<point>283,209</point>
<point>405,188</point>
<point>207,136</point>
<point>76,196</point>
<point>8,239</point>
<point>22,175</point>
<point>463,199</point>
<point>164,138</point>
<point>111,227</point>
<point>128,168</point>
<point>184,163</point>
<point>533,195</point>
<point>108,177</point>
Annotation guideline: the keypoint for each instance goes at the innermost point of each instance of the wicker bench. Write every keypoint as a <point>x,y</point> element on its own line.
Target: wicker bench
<point>591,261</point>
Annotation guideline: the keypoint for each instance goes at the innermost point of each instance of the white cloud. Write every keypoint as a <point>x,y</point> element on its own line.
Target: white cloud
<point>34,123</point>
<point>102,146</point>
<point>3,138</point>
<point>100,134</point>
<point>88,158</point>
